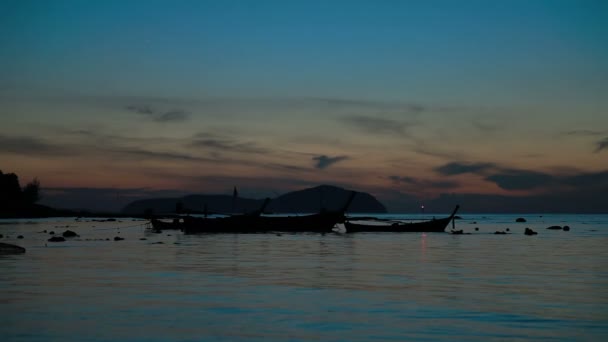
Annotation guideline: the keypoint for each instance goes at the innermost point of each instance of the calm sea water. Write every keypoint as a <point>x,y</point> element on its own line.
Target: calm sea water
<point>332,287</point>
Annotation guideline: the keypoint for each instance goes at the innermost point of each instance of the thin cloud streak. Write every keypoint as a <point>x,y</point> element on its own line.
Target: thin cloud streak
<point>210,141</point>
<point>154,114</point>
<point>423,183</point>
<point>601,145</point>
<point>457,168</point>
<point>323,161</point>
<point>32,146</point>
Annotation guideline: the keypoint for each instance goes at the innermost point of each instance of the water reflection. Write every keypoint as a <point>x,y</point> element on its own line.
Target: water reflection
<point>305,286</point>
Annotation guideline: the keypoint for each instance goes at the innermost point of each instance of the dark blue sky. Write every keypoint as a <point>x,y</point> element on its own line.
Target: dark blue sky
<point>276,95</point>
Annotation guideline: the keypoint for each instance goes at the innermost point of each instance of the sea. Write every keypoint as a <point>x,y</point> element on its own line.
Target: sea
<point>476,286</point>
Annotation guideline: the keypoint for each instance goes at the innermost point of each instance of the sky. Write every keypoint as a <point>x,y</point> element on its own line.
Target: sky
<point>109,101</point>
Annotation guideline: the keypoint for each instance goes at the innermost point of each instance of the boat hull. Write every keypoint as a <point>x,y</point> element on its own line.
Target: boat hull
<point>438,225</point>
<point>317,223</point>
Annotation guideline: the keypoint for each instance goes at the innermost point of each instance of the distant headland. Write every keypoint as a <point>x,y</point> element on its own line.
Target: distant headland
<point>18,202</point>
<point>311,200</point>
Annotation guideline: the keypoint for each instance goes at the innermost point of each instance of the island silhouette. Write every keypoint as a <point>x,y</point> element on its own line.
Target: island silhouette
<point>16,202</point>
<point>310,200</point>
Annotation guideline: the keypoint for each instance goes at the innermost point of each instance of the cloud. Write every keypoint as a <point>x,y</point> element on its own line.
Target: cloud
<point>412,108</point>
<point>374,125</point>
<point>31,146</point>
<point>172,116</point>
<point>521,179</point>
<point>209,141</point>
<point>157,115</point>
<point>323,162</point>
<point>146,154</point>
<point>424,183</point>
<point>601,145</point>
<point>518,179</point>
<point>587,180</point>
<point>457,168</point>
<point>146,110</point>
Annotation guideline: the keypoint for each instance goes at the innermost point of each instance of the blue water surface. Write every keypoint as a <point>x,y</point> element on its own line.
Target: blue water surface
<point>301,287</point>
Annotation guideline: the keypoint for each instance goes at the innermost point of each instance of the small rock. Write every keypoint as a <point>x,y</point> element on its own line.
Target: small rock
<point>476,229</point>
<point>555,228</point>
<point>530,232</point>
<point>499,233</point>
<point>566,228</point>
<point>69,233</point>
<point>158,243</point>
<point>56,239</point>
<point>118,238</point>
<point>1,236</point>
<point>51,233</point>
<point>508,229</point>
<point>142,239</point>
<point>20,237</point>
<point>520,219</point>
<point>7,248</point>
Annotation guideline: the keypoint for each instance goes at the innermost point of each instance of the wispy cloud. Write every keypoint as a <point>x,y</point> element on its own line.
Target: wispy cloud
<point>518,179</point>
<point>601,145</point>
<point>521,179</point>
<point>32,146</point>
<point>457,168</point>
<point>226,144</point>
<point>424,183</point>
<point>323,161</point>
<point>158,155</point>
<point>158,115</point>
<point>345,103</point>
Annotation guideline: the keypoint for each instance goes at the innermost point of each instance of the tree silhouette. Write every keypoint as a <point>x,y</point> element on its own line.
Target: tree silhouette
<point>31,192</point>
<point>12,198</point>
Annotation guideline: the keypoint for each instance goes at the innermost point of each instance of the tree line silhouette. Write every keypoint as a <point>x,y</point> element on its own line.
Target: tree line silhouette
<point>13,198</point>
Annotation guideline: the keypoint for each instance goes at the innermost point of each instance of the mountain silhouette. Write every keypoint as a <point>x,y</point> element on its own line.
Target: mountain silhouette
<point>324,197</point>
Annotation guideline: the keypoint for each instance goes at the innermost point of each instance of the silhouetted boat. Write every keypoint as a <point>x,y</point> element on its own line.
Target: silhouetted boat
<point>183,221</point>
<point>322,222</point>
<point>161,225</point>
<point>435,225</point>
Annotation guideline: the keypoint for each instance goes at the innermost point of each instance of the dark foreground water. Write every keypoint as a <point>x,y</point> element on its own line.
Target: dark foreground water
<point>333,287</point>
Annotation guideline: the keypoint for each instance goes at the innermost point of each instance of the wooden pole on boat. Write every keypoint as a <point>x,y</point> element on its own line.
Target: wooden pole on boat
<point>452,217</point>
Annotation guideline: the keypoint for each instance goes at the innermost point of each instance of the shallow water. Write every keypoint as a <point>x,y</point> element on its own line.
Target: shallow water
<point>334,287</point>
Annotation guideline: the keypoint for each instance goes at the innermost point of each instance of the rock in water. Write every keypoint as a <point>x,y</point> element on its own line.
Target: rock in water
<point>520,219</point>
<point>7,248</point>
<point>56,239</point>
<point>69,233</point>
<point>118,238</point>
<point>566,228</point>
<point>530,232</point>
<point>555,228</point>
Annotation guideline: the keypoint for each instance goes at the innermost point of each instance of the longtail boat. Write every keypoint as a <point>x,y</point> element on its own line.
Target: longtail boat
<point>322,222</point>
<point>435,225</point>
